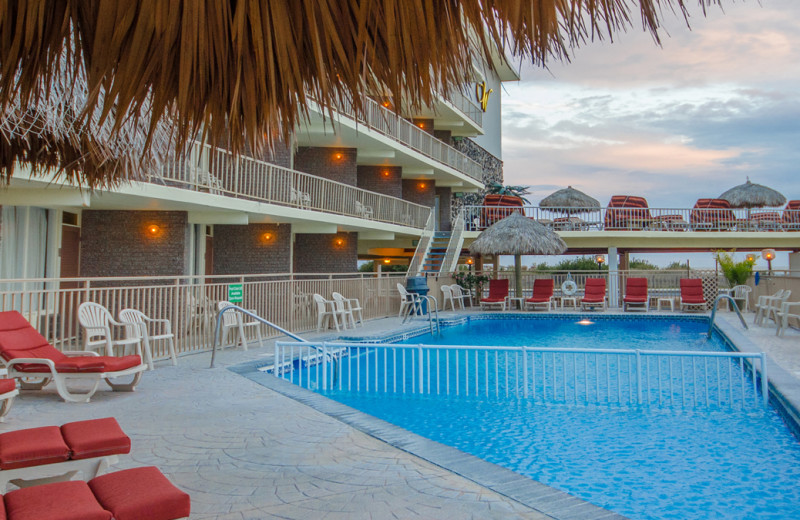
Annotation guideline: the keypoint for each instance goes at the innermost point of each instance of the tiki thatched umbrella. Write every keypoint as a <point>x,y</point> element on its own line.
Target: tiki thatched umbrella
<point>751,195</point>
<point>569,200</point>
<point>518,235</point>
<point>246,71</point>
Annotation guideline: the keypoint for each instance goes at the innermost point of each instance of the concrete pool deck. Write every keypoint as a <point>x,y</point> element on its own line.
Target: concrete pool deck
<point>246,452</point>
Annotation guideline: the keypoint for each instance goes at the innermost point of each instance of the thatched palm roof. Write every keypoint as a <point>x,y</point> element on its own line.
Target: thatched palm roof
<point>518,235</point>
<point>569,200</point>
<point>752,195</point>
<point>244,70</point>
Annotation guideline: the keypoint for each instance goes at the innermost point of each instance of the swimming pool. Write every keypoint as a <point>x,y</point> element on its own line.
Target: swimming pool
<point>643,461</point>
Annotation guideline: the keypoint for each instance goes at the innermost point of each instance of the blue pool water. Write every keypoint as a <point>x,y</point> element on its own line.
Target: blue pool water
<point>645,462</point>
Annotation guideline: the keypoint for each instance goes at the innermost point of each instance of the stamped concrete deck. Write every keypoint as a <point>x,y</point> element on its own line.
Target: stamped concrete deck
<point>244,451</point>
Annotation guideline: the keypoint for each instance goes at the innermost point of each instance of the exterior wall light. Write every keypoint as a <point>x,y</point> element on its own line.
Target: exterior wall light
<point>600,259</point>
<point>386,174</point>
<point>422,185</point>
<point>153,230</point>
<point>470,261</point>
<point>386,261</point>
<point>338,242</point>
<point>267,237</point>
<point>769,256</point>
<point>338,156</point>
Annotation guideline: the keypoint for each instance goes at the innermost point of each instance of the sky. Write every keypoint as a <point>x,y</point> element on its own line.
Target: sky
<point>710,107</point>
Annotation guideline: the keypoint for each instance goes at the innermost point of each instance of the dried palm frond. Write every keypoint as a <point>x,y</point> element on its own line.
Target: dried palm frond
<point>244,70</point>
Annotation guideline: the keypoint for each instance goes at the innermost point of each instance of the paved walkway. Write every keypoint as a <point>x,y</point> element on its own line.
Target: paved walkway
<point>246,452</point>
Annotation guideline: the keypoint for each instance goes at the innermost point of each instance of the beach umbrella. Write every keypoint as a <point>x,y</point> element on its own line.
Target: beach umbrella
<point>751,195</point>
<point>569,200</point>
<point>518,235</point>
<point>245,72</point>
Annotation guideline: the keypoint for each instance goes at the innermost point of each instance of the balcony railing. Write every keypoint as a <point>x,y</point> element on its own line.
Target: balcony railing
<point>386,122</point>
<point>215,170</point>
<point>466,106</point>
<point>477,218</point>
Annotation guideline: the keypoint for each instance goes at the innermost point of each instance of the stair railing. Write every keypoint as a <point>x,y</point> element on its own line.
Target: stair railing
<point>450,262</point>
<point>423,248</point>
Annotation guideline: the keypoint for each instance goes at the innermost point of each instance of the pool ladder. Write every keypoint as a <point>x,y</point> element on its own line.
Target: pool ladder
<point>732,303</point>
<point>416,307</point>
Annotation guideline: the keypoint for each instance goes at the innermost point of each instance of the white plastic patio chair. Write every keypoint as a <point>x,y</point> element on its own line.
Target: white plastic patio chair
<point>447,296</point>
<point>327,310</point>
<point>460,296</point>
<point>768,306</point>
<point>784,314</point>
<point>362,210</point>
<point>408,301</point>
<point>352,308</point>
<point>300,198</point>
<point>742,292</point>
<point>233,319</point>
<point>149,330</point>
<point>98,324</point>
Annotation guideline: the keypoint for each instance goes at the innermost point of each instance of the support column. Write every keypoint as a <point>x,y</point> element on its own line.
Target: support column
<point>613,278</point>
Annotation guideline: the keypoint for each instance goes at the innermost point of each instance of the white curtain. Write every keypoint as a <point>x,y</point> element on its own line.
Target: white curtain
<point>23,246</point>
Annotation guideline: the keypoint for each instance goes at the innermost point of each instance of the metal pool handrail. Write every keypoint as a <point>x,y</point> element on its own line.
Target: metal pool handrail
<point>255,317</point>
<point>714,312</point>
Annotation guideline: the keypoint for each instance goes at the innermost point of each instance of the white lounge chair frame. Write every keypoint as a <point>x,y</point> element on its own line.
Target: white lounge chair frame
<point>233,319</point>
<point>7,400</point>
<point>139,326</point>
<point>769,306</point>
<point>56,472</point>
<point>98,322</point>
<point>60,378</point>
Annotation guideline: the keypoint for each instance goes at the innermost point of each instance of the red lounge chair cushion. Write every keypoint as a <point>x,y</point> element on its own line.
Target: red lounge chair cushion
<point>85,364</point>
<point>7,385</point>
<point>635,290</point>
<point>595,290</point>
<point>140,493</point>
<point>635,299</point>
<point>32,447</point>
<point>95,438</point>
<point>538,299</point>
<point>493,300</point>
<point>72,500</point>
<point>692,290</point>
<point>542,291</point>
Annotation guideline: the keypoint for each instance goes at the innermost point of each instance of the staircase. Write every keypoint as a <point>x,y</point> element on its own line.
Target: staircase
<point>433,260</point>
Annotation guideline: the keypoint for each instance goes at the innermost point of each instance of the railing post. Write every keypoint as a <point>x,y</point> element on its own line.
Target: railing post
<point>275,366</point>
<point>764,379</point>
<point>525,371</point>
<point>324,365</point>
<point>639,377</point>
<point>420,368</point>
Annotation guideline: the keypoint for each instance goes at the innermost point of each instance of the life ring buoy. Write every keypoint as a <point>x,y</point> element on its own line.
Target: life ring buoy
<point>569,288</point>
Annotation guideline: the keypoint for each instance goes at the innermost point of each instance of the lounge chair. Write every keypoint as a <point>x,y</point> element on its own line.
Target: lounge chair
<point>786,313</point>
<point>713,215</point>
<point>447,296</point>
<point>594,294</point>
<point>131,494</point>
<point>52,453</point>
<point>98,325</point>
<point>460,296</point>
<point>364,211</point>
<point>352,308</point>
<point>139,326</point>
<point>8,390</point>
<point>498,292</point>
<point>27,354</point>
<point>233,319</point>
<point>791,215</point>
<point>768,306</point>
<point>692,294</point>
<point>542,294</point>
<point>636,294</point>
<point>627,212</point>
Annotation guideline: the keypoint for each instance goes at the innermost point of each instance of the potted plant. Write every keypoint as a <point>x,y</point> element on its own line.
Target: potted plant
<point>736,273</point>
<point>468,281</point>
<point>500,201</point>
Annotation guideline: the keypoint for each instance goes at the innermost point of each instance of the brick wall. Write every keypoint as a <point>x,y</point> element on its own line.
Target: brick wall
<point>252,249</point>
<point>381,179</point>
<point>419,192</point>
<point>423,124</point>
<point>120,243</point>
<point>336,164</point>
<point>320,253</point>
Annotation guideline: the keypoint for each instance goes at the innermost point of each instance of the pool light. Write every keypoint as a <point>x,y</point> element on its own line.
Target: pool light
<point>586,321</point>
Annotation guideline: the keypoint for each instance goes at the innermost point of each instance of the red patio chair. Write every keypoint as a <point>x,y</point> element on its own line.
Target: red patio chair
<point>791,215</point>
<point>636,294</point>
<point>594,293</point>
<point>542,294</point>
<point>712,215</point>
<point>27,354</point>
<point>692,293</point>
<point>627,212</point>
<point>498,292</point>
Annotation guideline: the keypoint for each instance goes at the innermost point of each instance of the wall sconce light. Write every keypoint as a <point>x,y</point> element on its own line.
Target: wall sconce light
<point>387,104</point>
<point>386,174</point>
<point>421,125</point>
<point>267,237</point>
<point>338,242</point>
<point>422,185</point>
<point>386,261</point>
<point>153,230</point>
<point>338,156</point>
<point>769,256</point>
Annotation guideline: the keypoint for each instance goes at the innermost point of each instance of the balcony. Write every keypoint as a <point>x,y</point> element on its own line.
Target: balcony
<point>477,218</point>
<point>216,171</point>
<point>466,106</point>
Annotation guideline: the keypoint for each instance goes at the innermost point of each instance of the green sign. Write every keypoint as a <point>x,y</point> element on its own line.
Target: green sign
<point>235,292</point>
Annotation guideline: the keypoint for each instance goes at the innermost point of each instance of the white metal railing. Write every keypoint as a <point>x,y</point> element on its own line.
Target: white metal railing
<point>477,218</point>
<point>423,247</point>
<point>190,302</point>
<point>466,106</point>
<point>450,262</point>
<point>215,170</point>
<point>574,376</point>
<point>386,122</point>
